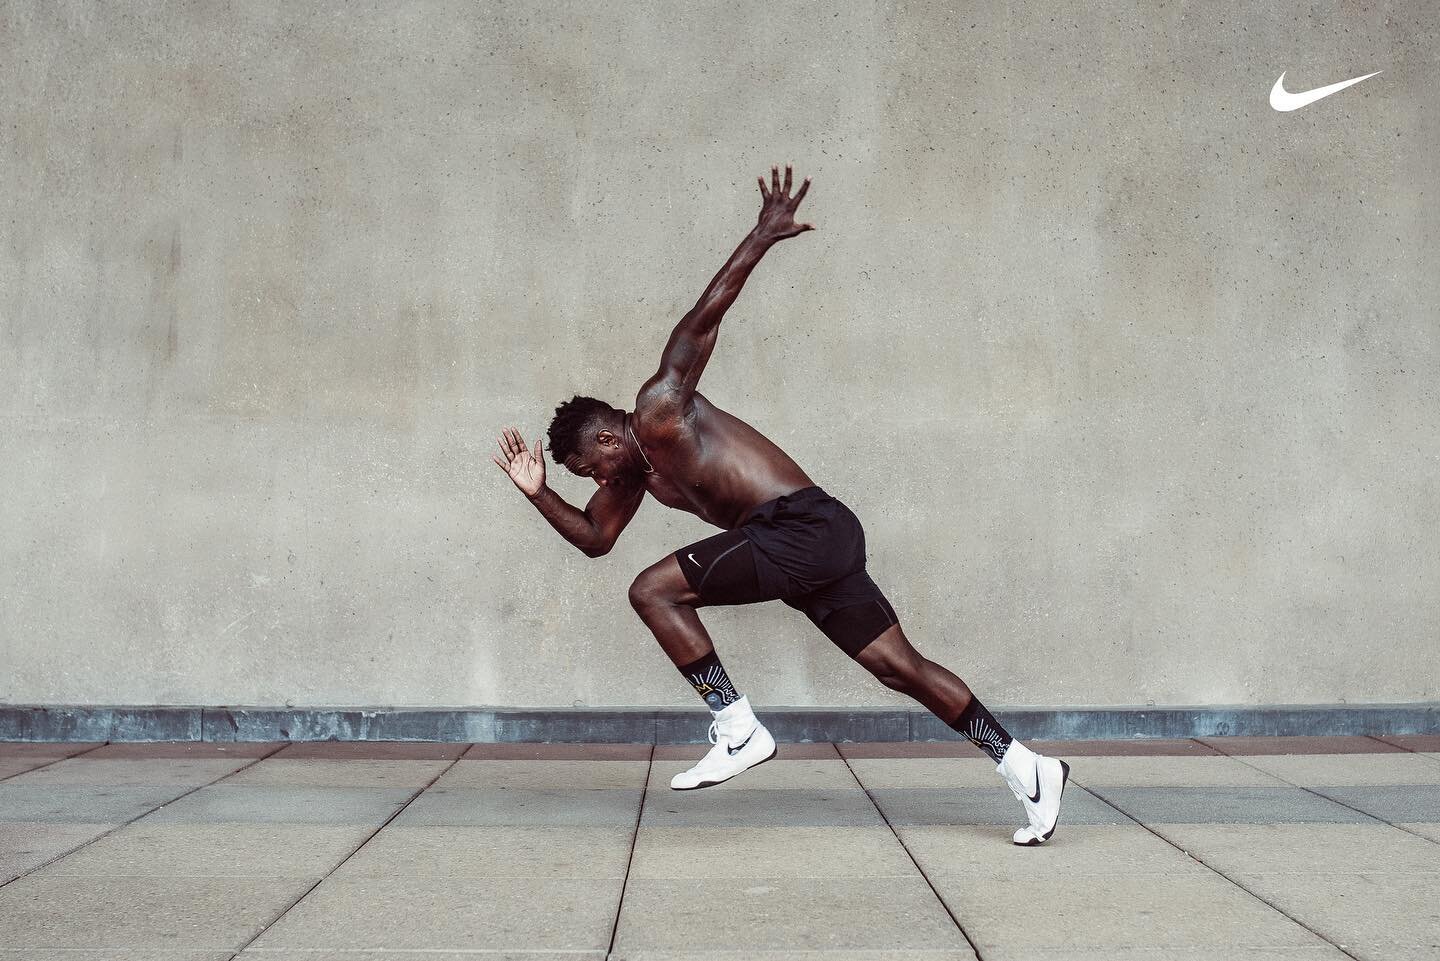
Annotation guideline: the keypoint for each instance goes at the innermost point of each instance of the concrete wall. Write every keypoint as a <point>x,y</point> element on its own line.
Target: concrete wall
<point>1130,377</point>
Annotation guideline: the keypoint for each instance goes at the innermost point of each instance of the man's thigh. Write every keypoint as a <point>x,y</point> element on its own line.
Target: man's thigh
<point>852,611</point>
<point>721,569</point>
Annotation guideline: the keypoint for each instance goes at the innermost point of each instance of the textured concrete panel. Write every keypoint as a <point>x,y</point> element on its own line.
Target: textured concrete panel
<point>405,849</point>
<point>790,914</point>
<point>450,913</point>
<point>1158,360</point>
<point>166,849</point>
<point>773,852</point>
<point>1377,916</point>
<point>140,913</point>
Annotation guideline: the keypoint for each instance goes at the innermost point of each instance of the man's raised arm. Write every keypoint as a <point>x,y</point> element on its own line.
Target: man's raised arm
<point>693,339</point>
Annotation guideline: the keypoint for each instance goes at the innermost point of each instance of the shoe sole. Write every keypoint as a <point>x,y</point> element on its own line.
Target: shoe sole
<point>736,774</point>
<point>1064,780</point>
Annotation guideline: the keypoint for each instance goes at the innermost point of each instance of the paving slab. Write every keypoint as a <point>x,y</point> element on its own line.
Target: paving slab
<point>785,751</point>
<point>1134,747</point>
<point>907,749</point>
<point>243,804</point>
<point>558,774</point>
<point>788,852</point>
<point>1076,850</point>
<point>476,807</point>
<point>283,954</point>
<point>507,851</point>
<point>25,845</point>
<point>167,849</point>
<point>730,806</point>
<point>45,749</point>
<point>1226,805</point>
<point>1375,916</point>
<point>282,772</point>
<point>1189,910</point>
<point>1350,769</point>
<point>192,914</point>
<point>1389,802</point>
<point>450,913</point>
<point>1298,745</point>
<point>909,954</point>
<point>1414,742</point>
<point>9,767</point>
<point>184,773</point>
<point>913,807</point>
<point>1429,829</point>
<point>783,915</point>
<point>1305,849</point>
<point>184,749</point>
<point>816,774</point>
<point>111,954</point>
<point>1212,771</point>
<point>1319,951</point>
<point>530,751</point>
<point>80,803</point>
<point>926,772</point>
<point>373,750</point>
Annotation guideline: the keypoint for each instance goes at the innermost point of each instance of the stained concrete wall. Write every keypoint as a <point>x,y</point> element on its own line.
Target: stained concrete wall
<point>1130,377</point>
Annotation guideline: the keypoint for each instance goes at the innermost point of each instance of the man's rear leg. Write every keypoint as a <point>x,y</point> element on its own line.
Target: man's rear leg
<point>1037,781</point>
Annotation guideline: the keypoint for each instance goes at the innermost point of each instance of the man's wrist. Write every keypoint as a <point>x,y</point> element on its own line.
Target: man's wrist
<point>538,494</point>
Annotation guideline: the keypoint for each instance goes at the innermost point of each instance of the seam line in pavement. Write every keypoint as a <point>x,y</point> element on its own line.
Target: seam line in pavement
<point>1269,904</point>
<point>67,757</point>
<point>906,848</point>
<point>1333,800</point>
<point>634,839</point>
<point>118,827</point>
<point>354,851</point>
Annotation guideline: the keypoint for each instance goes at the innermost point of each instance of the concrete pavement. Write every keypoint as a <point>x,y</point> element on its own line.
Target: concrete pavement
<point>1293,849</point>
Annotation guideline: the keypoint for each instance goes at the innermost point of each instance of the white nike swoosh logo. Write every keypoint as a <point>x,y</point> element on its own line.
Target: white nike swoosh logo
<point>692,557</point>
<point>1283,101</point>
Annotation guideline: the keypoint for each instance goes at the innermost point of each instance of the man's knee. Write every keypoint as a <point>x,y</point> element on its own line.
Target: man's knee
<point>649,590</point>
<point>893,661</point>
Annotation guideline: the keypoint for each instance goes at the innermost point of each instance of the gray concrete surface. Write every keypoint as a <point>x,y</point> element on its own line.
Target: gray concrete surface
<point>1130,377</point>
<point>818,854</point>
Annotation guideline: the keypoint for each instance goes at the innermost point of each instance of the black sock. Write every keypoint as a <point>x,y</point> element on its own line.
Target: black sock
<point>982,729</point>
<point>708,678</point>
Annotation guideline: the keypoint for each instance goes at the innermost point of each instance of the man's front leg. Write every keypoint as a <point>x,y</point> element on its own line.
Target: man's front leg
<point>666,600</point>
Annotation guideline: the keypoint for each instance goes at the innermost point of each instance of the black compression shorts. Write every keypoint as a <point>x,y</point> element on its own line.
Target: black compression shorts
<point>804,548</point>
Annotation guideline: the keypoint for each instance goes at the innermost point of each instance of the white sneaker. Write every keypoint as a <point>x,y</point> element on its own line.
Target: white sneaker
<point>741,742</point>
<point>1039,784</point>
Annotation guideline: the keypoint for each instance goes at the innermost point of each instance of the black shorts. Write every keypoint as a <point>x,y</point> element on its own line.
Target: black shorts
<point>804,548</point>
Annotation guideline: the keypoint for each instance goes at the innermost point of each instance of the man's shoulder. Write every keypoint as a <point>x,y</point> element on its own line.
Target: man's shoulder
<point>664,413</point>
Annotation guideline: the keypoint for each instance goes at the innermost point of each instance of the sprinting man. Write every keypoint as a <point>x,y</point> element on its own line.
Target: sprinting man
<point>783,538</point>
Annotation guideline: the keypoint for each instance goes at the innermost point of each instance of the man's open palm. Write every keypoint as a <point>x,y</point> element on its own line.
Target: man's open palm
<point>525,468</point>
<point>777,212</point>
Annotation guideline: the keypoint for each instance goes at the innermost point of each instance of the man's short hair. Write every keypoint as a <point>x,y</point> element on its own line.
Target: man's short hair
<point>574,420</point>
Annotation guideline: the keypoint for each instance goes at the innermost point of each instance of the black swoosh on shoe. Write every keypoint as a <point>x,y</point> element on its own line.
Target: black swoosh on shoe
<point>737,748</point>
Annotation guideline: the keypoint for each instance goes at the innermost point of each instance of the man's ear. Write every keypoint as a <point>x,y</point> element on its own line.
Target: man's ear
<point>607,438</point>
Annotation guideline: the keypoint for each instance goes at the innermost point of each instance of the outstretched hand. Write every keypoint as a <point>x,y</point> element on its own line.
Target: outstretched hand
<point>526,469</point>
<point>777,212</point>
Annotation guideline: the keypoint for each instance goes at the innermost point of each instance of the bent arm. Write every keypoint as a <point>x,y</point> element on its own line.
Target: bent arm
<point>595,529</point>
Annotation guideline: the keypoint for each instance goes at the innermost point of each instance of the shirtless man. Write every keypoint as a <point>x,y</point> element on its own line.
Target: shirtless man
<point>782,538</point>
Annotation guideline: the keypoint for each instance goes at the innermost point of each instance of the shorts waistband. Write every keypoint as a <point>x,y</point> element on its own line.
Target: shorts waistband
<point>775,503</point>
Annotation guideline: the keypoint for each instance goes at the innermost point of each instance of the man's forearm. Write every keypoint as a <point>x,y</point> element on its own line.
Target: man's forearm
<point>725,286</point>
<point>571,522</point>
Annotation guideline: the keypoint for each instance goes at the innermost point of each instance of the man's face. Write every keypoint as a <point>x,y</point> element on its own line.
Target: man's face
<point>602,458</point>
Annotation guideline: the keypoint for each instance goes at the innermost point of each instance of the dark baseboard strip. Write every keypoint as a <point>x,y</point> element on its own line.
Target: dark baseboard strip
<point>671,725</point>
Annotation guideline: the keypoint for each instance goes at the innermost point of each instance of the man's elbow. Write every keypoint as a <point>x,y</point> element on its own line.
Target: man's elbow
<point>599,550</point>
